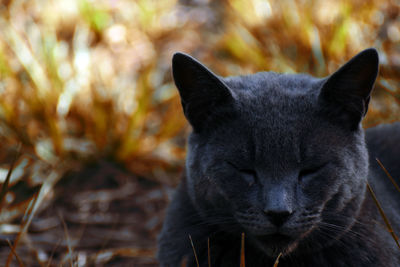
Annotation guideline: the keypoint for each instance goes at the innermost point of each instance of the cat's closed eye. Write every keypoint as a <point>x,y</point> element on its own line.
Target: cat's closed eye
<point>249,175</point>
<point>307,173</point>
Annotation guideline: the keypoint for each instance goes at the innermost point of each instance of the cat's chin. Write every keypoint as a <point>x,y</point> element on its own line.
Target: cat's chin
<point>275,244</point>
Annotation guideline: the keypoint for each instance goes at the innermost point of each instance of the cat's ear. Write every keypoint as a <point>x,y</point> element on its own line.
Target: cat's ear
<point>346,93</point>
<point>203,94</point>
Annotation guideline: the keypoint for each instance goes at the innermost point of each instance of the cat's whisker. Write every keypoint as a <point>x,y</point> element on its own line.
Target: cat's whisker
<point>350,234</point>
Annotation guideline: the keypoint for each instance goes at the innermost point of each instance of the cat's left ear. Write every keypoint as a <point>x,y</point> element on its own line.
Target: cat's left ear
<point>346,93</point>
<point>205,97</point>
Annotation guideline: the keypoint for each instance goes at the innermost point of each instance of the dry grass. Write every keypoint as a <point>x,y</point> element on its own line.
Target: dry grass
<point>242,252</point>
<point>383,215</point>
<point>84,81</point>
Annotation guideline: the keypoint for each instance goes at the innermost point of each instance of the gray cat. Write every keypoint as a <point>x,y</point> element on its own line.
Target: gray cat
<point>283,158</point>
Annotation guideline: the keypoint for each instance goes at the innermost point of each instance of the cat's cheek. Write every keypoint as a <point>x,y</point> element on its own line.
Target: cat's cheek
<point>312,190</point>
<point>210,198</point>
<point>220,193</point>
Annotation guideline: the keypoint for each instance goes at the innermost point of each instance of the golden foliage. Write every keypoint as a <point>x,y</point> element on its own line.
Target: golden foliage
<point>82,80</point>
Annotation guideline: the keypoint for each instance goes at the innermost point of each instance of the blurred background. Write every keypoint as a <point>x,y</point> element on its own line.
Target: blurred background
<point>92,136</point>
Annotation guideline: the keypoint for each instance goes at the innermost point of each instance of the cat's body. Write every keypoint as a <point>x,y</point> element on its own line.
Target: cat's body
<point>282,159</point>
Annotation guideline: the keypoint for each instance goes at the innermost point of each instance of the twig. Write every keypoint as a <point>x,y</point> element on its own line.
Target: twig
<point>277,260</point>
<point>390,229</point>
<point>35,202</point>
<point>242,258</point>
<point>15,253</point>
<point>194,251</point>
<point>23,230</point>
<point>388,174</point>
<point>208,249</point>
<point>52,253</point>
<point>66,237</point>
<point>4,188</point>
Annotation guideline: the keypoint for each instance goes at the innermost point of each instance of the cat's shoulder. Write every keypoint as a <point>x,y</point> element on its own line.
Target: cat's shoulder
<point>383,143</point>
<point>386,128</point>
<point>383,138</point>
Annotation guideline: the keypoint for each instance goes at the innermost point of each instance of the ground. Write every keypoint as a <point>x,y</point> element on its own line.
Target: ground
<point>103,214</point>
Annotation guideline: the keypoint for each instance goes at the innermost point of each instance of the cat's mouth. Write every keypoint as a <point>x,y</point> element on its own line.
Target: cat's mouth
<point>274,244</point>
<point>276,238</point>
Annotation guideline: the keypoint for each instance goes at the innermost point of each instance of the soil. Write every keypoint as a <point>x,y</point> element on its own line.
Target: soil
<point>102,214</point>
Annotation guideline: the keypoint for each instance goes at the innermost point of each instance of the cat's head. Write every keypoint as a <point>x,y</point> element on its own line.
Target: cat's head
<point>280,157</point>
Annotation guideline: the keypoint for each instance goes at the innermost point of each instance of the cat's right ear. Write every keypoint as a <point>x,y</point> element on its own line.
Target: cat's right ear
<point>203,94</point>
<point>346,93</point>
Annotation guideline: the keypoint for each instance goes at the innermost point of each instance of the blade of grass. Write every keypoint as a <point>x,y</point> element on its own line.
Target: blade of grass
<point>66,237</point>
<point>242,258</point>
<point>184,262</point>
<point>18,237</point>
<point>4,188</point>
<point>208,252</point>
<point>52,253</point>
<point>29,208</point>
<point>35,203</point>
<point>194,251</point>
<point>388,174</point>
<point>277,260</point>
<point>386,220</point>
<point>129,252</point>
<point>24,54</point>
<point>15,253</point>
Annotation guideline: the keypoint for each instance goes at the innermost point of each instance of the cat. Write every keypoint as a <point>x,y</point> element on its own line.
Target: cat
<point>283,159</point>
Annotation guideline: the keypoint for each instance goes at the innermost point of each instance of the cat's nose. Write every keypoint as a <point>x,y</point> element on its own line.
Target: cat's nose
<point>278,217</point>
<point>278,205</point>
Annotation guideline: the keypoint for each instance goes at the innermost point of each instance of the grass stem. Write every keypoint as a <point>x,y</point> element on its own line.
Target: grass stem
<point>386,220</point>
<point>194,251</point>
<point>277,260</point>
<point>208,252</point>
<point>388,175</point>
<point>242,257</point>
<point>4,188</point>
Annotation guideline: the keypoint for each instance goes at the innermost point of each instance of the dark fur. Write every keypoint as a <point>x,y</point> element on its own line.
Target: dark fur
<point>282,158</point>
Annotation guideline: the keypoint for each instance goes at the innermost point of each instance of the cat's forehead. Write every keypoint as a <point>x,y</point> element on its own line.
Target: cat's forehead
<point>275,98</point>
<point>270,82</point>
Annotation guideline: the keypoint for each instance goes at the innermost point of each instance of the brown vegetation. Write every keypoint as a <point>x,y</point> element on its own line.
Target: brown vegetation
<point>85,88</point>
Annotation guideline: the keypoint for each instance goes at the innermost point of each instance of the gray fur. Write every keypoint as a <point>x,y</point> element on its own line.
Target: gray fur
<point>282,158</point>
